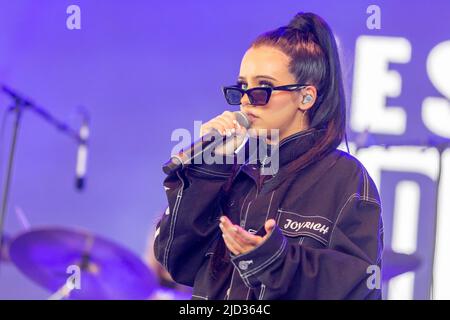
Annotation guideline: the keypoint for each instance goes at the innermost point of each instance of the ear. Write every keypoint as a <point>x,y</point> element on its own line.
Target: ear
<point>307,98</point>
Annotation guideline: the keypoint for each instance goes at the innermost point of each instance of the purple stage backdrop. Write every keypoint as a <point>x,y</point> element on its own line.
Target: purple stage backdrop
<point>146,68</point>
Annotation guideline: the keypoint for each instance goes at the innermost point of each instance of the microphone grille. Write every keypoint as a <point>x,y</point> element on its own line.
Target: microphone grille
<point>242,119</point>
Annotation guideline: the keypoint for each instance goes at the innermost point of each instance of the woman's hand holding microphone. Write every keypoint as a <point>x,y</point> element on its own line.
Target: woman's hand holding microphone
<point>228,126</point>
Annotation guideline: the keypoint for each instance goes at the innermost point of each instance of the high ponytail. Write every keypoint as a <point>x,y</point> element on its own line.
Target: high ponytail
<point>311,46</point>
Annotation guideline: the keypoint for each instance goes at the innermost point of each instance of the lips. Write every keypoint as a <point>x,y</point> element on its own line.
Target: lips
<point>251,117</point>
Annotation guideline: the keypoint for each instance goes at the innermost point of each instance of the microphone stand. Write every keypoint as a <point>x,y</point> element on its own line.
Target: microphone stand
<point>18,109</point>
<point>19,106</point>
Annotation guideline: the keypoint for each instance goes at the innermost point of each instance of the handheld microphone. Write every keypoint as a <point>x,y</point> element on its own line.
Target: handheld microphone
<point>205,144</point>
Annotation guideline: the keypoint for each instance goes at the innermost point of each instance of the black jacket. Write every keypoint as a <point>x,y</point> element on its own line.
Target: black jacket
<point>327,244</point>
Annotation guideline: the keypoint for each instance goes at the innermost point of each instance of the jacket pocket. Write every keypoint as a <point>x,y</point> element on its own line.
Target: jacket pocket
<point>295,225</point>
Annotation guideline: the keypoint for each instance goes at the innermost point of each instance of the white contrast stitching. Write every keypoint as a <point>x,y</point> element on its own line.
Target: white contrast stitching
<point>300,242</point>
<point>248,293</point>
<point>173,222</point>
<point>355,195</point>
<point>270,204</point>
<point>263,290</point>
<point>267,262</point>
<point>310,234</point>
<point>281,210</point>
<point>211,173</point>
<point>340,212</point>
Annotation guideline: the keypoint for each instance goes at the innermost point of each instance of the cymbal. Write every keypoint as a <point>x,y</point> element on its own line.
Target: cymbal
<point>395,263</point>
<point>91,267</point>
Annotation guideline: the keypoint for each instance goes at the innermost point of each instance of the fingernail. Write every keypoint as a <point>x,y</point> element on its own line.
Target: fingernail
<point>233,130</point>
<point>222,219</point>
<point>234,229</point>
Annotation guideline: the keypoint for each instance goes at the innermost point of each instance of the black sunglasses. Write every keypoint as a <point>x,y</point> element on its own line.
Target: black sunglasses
<point>258,96</point>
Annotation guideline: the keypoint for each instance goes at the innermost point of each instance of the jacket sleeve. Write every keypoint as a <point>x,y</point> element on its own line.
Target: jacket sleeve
<point>348,268</point>
<point>190,224</point>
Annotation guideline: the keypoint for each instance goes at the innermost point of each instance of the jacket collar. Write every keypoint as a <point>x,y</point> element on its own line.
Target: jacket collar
<point>292,147</point>
<point>289,149</point>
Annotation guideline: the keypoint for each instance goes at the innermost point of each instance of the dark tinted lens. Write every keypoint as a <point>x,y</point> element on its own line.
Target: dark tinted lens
<point>258,96</point>
<point>233,96</point>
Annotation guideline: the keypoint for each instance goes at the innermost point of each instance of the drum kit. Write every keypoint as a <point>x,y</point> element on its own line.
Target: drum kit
<point>76,264</point>
<point>72,263</point>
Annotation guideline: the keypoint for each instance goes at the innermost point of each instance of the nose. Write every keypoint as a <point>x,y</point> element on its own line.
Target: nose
<point>245,100</point>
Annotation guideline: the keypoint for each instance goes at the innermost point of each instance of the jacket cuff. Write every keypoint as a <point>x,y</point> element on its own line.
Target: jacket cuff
<point>253,263</point>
